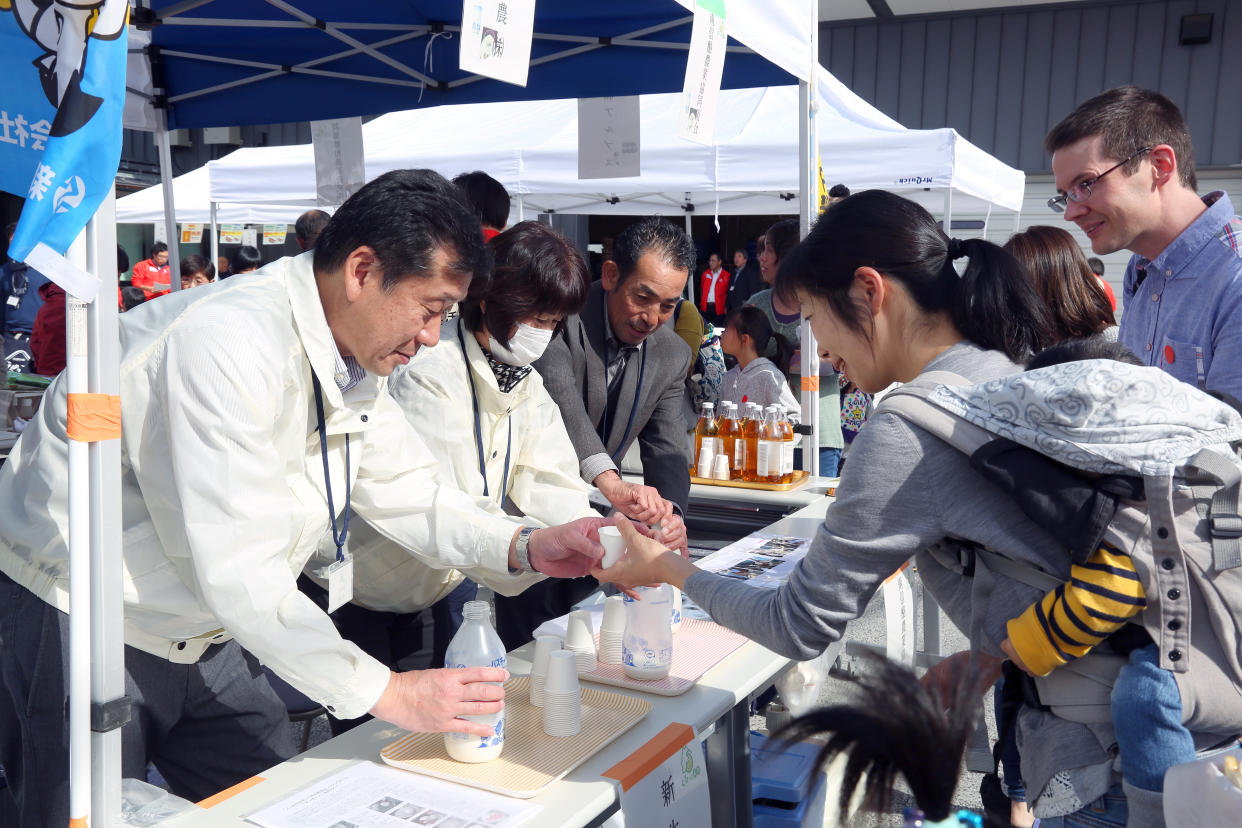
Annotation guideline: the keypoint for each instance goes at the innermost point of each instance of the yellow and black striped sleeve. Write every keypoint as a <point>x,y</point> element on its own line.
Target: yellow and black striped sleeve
<point>1102,595</point>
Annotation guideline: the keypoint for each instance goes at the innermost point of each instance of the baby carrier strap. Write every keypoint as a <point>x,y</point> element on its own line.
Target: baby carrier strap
<point>1214,479</point>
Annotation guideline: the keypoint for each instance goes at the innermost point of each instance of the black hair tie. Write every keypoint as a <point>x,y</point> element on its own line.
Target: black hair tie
<point>956,248</point>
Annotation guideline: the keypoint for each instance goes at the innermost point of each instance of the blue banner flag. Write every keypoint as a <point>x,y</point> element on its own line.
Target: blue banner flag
<point>63,62</point>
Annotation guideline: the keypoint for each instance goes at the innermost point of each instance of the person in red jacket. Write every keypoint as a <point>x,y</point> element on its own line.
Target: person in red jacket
<point>47,337</point>
<point>152,275</point>
<point>714,290</point>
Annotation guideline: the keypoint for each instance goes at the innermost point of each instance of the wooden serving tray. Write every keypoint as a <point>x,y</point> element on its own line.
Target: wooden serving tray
<point>531,759</point>
<point>800,477</point>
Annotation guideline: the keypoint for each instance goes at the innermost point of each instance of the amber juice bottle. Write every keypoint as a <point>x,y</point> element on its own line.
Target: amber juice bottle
<point>707,429</point>
<point>750,440</point>
<point>729,430</point>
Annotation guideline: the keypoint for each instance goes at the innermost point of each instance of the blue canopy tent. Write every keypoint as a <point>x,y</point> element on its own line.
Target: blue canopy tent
<point>233,62</point>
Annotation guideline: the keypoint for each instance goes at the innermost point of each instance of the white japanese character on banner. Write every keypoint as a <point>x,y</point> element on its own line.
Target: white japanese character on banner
<point>6,127</point>
<point>38,133</point>
<point>20,123</point>
<point>44,177</point>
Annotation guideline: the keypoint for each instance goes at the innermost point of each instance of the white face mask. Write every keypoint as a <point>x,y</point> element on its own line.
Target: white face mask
<point>525,346</point>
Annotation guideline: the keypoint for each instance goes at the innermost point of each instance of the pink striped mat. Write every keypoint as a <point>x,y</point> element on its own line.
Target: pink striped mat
<point>698,647</point>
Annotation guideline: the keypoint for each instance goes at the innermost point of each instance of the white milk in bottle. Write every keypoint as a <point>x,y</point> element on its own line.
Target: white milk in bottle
<point>476,645</point>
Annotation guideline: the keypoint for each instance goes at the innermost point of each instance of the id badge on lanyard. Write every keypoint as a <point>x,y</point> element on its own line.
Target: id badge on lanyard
<point>340,573</point>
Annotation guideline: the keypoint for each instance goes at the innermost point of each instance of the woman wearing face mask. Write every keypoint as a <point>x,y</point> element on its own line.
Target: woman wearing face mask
<point>479,406</point>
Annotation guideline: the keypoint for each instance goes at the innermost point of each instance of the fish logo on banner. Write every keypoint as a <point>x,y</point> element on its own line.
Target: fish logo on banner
<point>60,123</point>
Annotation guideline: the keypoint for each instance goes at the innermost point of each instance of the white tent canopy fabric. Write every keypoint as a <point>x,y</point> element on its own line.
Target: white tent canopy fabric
<point>752,167</point>
<point>193,202</point>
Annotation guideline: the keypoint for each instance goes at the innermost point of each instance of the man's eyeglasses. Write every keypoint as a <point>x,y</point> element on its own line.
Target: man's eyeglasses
<point>1080,192</point>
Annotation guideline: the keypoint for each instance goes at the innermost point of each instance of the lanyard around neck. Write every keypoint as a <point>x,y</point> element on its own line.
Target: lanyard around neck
<point>338,539</point>
<point>478,429</point>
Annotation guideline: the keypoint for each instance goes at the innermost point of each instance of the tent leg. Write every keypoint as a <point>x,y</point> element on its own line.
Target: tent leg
<point>170,209</point>
<point>521,208</point>
<point>215,241</point>
<point>689,292</point>
<point>948,212</point>
<point>80,774</point>
<point>106,576</point>
<point>808,169</point>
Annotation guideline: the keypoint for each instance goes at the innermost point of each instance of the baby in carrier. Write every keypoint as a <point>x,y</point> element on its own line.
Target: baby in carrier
<point>1103,594</point>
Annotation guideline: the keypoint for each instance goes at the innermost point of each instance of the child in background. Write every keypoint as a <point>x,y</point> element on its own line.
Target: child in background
<point>747,334</point>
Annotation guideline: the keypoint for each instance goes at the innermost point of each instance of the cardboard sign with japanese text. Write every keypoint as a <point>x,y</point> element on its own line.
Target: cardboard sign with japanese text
<point>608,137</point>
<point>704,69</point>
<point>191,233</point>
<point>275,233</point>
<point>664,783</point>
<point>496,37</point>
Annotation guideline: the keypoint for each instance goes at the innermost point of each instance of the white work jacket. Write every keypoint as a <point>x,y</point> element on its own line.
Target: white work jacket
<point>543,486</point>
<point>223,496</point>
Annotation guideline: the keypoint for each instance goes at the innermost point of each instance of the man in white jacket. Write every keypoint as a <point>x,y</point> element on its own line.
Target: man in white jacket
<point>236,400</point>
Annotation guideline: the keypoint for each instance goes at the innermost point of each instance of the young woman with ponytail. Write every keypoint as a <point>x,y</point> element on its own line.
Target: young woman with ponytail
<point>881,287</point>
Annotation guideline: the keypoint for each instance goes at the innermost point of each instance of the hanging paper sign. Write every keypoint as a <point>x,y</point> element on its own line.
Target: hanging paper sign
<point>274,233</point>
<point>161,232</point>
<point>496,37</point>
<point>191,233</point>
<point>231,233</point>
<point>704,68</point>
<point>250,237</point>
<point>608,137</point>
<point>664,783</point>
<point>340,167</point>
<point>899,617</point>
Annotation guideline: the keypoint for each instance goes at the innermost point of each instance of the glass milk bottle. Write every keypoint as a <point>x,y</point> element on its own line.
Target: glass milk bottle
<point>476,645</point>
<point>705,434</point>
<point>647,644</point>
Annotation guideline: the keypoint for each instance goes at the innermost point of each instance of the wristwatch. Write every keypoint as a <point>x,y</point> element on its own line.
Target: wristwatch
<point>522,549</point>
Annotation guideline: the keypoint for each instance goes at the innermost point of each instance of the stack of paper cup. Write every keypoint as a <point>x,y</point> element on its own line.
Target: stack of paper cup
<point>562,699</point>
<point>611,630</point>
<point>580,640</point>
<point>720,471</point>
<point>545,646</point>
<point>705,461</point>
<point>614,545</point>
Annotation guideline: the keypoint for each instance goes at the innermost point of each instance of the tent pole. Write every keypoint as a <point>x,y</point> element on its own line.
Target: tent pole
<point>521,208</point>
<point>170,209</point>
<point>808,200</point>
<point>948,212</point>
<point>106,575</point>
<point>690,281</point>
<point>80,775</point>
<point>215,242</point>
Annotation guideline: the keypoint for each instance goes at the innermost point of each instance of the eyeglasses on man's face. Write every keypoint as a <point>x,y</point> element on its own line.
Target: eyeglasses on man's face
<point>1080,192</point>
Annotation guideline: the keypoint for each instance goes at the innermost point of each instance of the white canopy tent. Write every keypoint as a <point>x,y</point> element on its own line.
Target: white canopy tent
<point>752,168</point>
<point>193,205</point>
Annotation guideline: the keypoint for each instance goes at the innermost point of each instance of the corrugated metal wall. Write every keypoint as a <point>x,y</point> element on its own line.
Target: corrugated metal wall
<point>1004,78</point>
